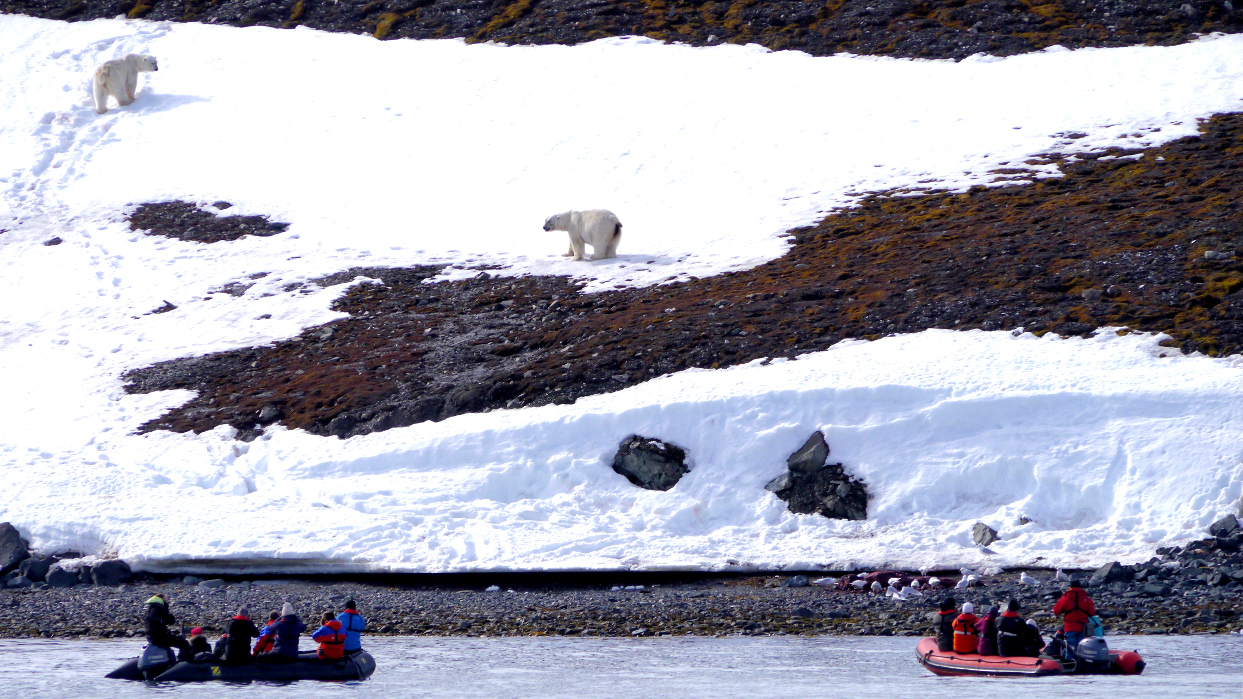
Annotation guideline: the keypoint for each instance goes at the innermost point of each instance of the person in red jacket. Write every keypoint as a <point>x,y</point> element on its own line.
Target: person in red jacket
<point>331,638</point>
<point>267,637</point>
<point>966,639</point>
<point>1077,607</point>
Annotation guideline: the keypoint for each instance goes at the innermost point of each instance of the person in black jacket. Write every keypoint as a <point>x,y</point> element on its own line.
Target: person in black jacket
<point>237,634</point>
<point>157,620</point>
<point>945,625</point>
<point>1015,637</point>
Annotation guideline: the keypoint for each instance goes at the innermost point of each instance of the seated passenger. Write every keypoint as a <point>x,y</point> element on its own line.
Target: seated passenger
<point>200,648</point>
<point>237,634</point>
<point>286,630</point>
<point>353,623</point>
<point>945,625</point>
<point>987,630</point>
<point>965,638</point>
<point>331,638</point>
<point>1014,636</point>
<point>266,637</point>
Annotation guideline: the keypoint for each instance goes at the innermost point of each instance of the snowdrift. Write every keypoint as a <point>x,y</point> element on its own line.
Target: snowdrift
<point>400,153</point>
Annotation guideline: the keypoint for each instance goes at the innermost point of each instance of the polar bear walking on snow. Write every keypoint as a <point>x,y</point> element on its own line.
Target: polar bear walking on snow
<point>596,227</point>
<point>119,78</point>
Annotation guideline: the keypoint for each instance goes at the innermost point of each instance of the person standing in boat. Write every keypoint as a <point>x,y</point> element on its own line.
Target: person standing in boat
<point>945,625</point>
<point>156,620</point>
<point>353,623</point>
<point>965,638</point>
<point>237,634</point>
<point>1076,606</point>
<point>286,631</point>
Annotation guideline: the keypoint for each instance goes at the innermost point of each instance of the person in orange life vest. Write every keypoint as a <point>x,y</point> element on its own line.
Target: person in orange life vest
<point>945,625</point>
<point>331,638</point>
<point>1077,607</point>
<point>965,638</point>
<point>266,636</point>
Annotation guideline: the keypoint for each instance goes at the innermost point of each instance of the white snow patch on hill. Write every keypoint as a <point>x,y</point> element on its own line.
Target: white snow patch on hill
<point>404,152</point>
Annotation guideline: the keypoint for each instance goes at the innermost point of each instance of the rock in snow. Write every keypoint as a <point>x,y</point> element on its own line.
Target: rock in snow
<point>650,463</point>
<point>812,486</point>
<point>13,549</point>
<point>983,535</point>
<point>1225,526</point>
<point>110,573</point>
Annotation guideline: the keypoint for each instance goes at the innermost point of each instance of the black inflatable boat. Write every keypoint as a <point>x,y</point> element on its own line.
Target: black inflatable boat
<point>157,664</point>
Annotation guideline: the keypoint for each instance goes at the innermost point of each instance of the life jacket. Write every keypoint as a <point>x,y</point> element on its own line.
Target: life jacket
<point>267,638</point>
<point>965,638</point>
<point>1071,605</point>
<point>331,641</point>
<point>352,622</point>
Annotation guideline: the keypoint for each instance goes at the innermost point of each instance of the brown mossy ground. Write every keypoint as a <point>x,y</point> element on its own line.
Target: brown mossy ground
<point>1147,240</point>
<point>912,28</point>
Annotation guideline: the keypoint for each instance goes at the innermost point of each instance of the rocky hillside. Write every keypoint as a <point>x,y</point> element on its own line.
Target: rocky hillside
<point>1148,240</point>
<point>910,28</point>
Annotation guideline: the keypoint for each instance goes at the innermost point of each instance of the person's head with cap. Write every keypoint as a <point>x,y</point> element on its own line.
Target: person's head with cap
<point>968,608</point>
<point>196,631</point>
<point>994,610</point>
<point>287,610</point>
<point>1013,605</point>
<point>243,612</point>
<point>349,604</point>
<point>1074,582</point>
<point>948,604</point>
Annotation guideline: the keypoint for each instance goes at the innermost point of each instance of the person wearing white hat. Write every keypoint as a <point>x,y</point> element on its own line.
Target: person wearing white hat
<point>286,630</point>
<point>966,639</point>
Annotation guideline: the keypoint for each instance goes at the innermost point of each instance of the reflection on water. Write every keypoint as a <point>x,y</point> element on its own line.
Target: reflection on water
<point>679,668</point>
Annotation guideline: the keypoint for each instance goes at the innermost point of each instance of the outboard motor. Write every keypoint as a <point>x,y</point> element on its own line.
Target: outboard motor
<point>1093,655</point>
<point>155,660</point>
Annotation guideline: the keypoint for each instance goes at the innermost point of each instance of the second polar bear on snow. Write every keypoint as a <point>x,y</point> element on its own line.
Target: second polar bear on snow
<point>119,78</point>
<point>598,228</point>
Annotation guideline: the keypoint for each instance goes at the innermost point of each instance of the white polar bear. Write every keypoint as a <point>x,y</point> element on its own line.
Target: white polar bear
<point>119,78</point>
<point>596,227</point>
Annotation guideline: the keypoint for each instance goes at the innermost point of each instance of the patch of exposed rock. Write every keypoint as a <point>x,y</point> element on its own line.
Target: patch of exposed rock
<point>650,463</point>
<point>814,486</point>
<point>186,221</point>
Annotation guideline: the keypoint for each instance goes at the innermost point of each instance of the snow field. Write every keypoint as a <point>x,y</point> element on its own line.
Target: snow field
<point>401,152</point>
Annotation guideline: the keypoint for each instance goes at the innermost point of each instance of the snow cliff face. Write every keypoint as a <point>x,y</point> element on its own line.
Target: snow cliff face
<point>1110,448</point>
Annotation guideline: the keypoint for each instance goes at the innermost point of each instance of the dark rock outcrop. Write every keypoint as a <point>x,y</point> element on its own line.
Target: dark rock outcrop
<point>111,573</point>
<point>650,463</point>
<point>1224,527</point>
<point>13,549</point>
<point>812,486</point>
<point>36,567</point>
<point>1109,573</point>
<point>59,577</point>
<point>983,535</point>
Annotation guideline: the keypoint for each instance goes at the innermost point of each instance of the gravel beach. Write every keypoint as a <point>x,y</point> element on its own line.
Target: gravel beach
<point>707,606</point>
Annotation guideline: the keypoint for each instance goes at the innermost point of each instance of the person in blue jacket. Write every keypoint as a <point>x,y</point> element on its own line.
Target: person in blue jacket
<point>286,630</point>
<point>352,623</point>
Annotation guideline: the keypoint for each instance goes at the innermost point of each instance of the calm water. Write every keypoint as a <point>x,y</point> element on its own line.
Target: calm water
<point>666,668</point>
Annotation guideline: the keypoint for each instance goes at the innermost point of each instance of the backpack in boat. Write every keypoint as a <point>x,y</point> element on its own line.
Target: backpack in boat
<point>1094,627</point>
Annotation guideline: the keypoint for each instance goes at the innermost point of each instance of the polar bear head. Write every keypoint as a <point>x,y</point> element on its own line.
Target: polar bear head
<point>143,63</point>
<point>558,222</point>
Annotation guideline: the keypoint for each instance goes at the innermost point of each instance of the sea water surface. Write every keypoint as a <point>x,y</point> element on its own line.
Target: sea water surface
<point>1203,667</point>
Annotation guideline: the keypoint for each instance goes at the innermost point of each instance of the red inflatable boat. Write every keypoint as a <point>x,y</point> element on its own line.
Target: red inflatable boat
<point>951,663</point>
